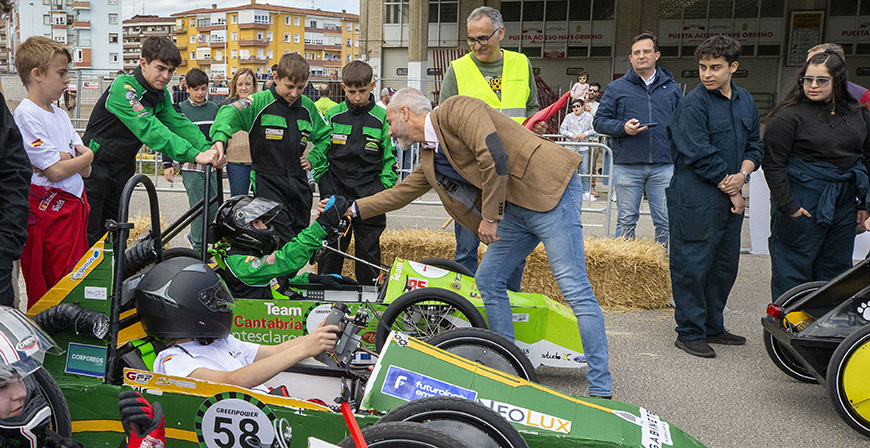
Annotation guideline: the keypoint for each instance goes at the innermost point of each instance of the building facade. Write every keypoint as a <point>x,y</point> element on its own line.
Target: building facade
<point>92,30</point>
<point>4,48</point>
<point>561,36</point>
<point>137,29</point>
<point>220,41</point>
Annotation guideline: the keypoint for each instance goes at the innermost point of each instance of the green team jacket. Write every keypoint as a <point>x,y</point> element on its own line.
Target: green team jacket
<point>251,277</point>
<point>278,131</point>
<point>129,113</point>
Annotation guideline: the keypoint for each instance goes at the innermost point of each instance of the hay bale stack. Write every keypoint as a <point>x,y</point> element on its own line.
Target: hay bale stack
<point>140,225</point>
<point>625,274</point>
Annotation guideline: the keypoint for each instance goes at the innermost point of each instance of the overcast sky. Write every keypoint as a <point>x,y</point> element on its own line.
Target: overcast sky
<point>164,8</point>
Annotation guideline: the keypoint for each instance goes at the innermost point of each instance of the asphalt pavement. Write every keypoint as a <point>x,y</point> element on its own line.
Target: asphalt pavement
<point>738,399</point>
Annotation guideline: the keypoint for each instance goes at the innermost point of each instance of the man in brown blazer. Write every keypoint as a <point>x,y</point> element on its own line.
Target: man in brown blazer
<point>511,187</point>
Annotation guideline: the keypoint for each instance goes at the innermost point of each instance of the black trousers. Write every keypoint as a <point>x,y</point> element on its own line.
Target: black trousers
<point>104,198</point>
<point>367,246</point>
<point>7,296</point>
<point>295,198</point>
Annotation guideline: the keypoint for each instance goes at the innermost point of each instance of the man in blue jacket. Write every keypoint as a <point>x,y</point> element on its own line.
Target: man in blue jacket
<point>716,144</point>
<point>635,110</point>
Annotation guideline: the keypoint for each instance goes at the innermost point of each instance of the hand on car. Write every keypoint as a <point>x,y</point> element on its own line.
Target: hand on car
<point>323,338</point>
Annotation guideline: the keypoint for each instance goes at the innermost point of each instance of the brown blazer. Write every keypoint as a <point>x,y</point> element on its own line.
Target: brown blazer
<point>503,159</point>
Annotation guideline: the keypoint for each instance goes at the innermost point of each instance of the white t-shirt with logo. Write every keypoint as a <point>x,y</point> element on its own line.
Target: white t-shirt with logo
<point>223,355</point>
<point>45,134</point>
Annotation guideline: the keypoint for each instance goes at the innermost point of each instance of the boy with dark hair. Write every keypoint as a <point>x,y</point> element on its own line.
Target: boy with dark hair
<point>715,142</point>
<point>198,109</point>
<point>280,122</point>
<point>56,230</point>
<point>137,109</point>
<point>359,163</point>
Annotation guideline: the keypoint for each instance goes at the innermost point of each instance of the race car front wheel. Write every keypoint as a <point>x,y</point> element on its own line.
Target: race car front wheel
<point>61,423</point>
<point>488,348</point>
<point>847,380</point>
<point>473,423</point>
<point>781,356</point>
<point>405,435</point>
<point>425,312</point>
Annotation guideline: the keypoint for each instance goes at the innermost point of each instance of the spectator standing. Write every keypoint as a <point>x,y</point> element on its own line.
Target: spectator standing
<point>502,79</point>
<point>335,92</point>
<point>513,214</point>
<point>591,106</point>
<point>137,109</point>
<point>280,123</point>
<point>179,92</point>
<point>270,81</point>
<point>57,227</point>
<point>580,89</point>
<point>386,94</point>
<point>242,86</point>
<point>359,162</point>
<point>642,162</point>
<point>594,94</point>
<point>716,144</point>
<point>817,148</point>
<point>323,103</point>
<point>577,127</point>
<point>219,92</point>
<point>201,112</point>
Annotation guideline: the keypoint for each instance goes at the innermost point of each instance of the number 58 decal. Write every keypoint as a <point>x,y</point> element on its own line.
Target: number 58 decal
<point>234,420</point>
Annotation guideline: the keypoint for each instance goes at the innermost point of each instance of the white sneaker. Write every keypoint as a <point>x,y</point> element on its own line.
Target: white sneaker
<point>588,197</point>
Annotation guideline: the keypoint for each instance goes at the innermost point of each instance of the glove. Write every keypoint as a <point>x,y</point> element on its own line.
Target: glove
<point>144,423</point>
<point>333,213</point>
<point>331,280</point>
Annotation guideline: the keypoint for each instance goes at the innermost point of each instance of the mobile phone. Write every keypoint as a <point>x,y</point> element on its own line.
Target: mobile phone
<point>651,124</point>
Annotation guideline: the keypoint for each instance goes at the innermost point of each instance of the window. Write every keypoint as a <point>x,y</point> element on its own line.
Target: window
<point>269,36</point>
<point>348,42</point>
<point>348,58</point>
<point>349,26</point>
<point>295,38</point>
<point>193,38</point>
<point>192,22</point>
<point>234,36</point>
<point>113,2</point>
<point>113,19</point>
<point>46,2</point>
<point>234,54</point>
<point>269,53</point>
<point>113,58</point>
<point>234,18</point>
<point>356,43</point>
<point>192,55</point>
<point>306,55</point>
<point>113,38</point>
<point>287,20</point>
<point>286,51</point>
<point>205,21</point>
<point>78,56</point>
<point>312,23</point>
<point>296,21</point>
<point>259,35</point>
<point>286,37</point>
<point>46,19</point>
<point>261,18</point>
<point>396,11</point>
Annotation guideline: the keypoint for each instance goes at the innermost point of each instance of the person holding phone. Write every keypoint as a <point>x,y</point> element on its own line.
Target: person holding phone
<point>635,110</point>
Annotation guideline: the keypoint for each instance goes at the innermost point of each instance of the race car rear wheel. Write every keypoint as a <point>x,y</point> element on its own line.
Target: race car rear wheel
<point>781,356</point>
<point>450,265</point>
<point>405,435</point>
<point>488,348</point>
<point>61,422</point>
<point>847,380</point>
<point>425,312</point>
<point>470,421</point>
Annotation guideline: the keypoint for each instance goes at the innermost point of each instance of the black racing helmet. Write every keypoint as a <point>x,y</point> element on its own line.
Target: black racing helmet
<point>235,219</point>
<point>22,351</point>
<point>184,298</point>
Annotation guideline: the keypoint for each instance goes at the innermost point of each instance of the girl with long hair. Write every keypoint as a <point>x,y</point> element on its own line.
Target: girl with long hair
<point>242,85</point>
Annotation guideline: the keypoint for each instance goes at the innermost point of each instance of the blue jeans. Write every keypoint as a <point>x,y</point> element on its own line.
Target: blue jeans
<point>561,231</point>
<point>630,182</point>
<point>240,178</point>
<point>584,170</point>
<point>466,255</point>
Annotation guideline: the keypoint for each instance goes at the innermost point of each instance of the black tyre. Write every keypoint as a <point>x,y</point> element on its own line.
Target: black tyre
<point>473,423</point>
<point>488,348</point>
<point>450,265</point>
<point>847,380</point>
<point>425,312</point>
<point>405,435</point>
<point>782,356</point>
<point>139,259</point>
<point>61,422</point>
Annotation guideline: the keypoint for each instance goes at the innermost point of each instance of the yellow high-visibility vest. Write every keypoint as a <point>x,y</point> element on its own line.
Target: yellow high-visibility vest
<point>514,84</point>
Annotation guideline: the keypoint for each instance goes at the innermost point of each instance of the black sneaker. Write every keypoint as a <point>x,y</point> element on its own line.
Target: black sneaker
<point>698,347</point>
<point>726,338</point>
<point>312,185</point>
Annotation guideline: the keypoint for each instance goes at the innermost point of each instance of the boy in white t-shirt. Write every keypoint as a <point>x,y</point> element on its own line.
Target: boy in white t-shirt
<point>56,231</point>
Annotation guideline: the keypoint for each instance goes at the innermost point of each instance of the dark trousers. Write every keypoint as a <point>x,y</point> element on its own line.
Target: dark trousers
<point>104,198</point>
<point>7,294</point>
<point>367,246</point>
<point>803,251</point>
<point>295,198</point>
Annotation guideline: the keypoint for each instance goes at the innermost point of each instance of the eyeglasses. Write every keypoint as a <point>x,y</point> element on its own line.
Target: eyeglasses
<point>821,81</point>
<point>481,40</point>
<point>576,106</point>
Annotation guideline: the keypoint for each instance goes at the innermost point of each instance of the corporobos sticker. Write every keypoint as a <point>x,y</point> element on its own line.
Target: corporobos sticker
<point>234,420</point>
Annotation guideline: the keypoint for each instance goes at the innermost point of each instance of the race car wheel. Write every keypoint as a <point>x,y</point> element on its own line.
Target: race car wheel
<point>61,422</point>
<point>450,265</point>
<point>847,380</point>
<point>781,356</point>
<point>470,421</point>
<point>405,435</point>
<point>488,348</point>
<point>425,312</point>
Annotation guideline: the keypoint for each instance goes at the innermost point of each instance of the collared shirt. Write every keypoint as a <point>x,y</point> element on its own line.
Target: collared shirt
<point>649,81</point>
<point>430,134</point>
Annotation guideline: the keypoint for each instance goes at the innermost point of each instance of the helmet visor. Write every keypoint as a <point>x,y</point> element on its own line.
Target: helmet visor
<point>22,345</point>
<point>258,208</point>
<point>217,298</point>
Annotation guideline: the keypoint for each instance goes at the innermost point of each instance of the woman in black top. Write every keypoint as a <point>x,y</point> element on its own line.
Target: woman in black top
<point>816,143</point>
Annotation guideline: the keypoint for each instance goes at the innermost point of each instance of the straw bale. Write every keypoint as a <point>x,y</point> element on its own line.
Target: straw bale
<point>140,225</point>
<point>625,274</point>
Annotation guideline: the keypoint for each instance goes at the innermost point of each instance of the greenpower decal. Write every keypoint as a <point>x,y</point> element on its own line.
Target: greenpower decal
<point>234,420</point>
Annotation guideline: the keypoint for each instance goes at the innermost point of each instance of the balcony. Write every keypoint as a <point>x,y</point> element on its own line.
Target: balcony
<point>321,47</point>
<point>3,54</point>
<point>82,25</point>
<point>157,33</point>
<point>253,26</point>
<point>202,62</point>
<point>182,46</point>
<point>210,28</point>
<point>58,26</point>
<point>181,29</point>
<point>183,63</point>
<point>259,60</point>
<point>254,43</point>
<point>132,44</point>
<point>217,44</point>
<point>81,5</point>
<point>328,63</point>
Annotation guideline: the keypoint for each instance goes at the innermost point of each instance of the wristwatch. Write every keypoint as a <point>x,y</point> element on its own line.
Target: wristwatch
<point>745,176</point>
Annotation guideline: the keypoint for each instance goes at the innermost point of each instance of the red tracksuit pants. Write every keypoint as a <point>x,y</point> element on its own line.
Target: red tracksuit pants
<point>56,238</point>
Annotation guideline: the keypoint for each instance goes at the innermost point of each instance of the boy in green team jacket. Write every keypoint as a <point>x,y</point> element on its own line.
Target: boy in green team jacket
<point>360,162</point>
<point>137,109</point>
<point>280,122</point>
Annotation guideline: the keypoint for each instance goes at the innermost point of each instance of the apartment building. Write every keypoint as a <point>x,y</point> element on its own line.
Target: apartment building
<point>92,30</point>
<point>137,29</point>
<point>4,51</point>
<point>220,41</point>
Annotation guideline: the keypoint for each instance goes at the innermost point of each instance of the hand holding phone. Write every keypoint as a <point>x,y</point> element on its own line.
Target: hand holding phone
<point>651,124</point>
